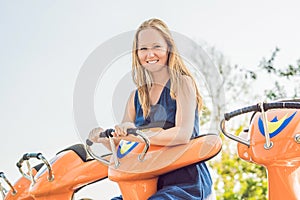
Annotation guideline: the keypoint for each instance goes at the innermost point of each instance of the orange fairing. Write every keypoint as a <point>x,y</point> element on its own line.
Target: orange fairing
<point>70,172</point>
<point>22,189</point>
<point>137,179</point>
<point>282,159</point>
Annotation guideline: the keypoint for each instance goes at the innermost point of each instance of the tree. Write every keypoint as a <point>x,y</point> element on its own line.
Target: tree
<point>238,179</point>
<point>284,78</point>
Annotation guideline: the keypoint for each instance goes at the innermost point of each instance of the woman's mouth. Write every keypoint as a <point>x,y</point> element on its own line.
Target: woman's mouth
<point>152,61</point>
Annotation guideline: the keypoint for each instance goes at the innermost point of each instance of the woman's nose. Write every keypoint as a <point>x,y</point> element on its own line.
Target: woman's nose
<point>150,53</point>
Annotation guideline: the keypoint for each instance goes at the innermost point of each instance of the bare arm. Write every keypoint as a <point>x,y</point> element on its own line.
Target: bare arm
<point>185,116</point>
<point>184,119</point>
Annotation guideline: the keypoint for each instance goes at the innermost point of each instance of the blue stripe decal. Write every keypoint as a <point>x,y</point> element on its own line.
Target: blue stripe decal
<point>125,147</point>
<point>279,129</point>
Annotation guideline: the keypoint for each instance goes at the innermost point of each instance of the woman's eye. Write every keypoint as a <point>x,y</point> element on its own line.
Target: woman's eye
<point>157,47</point>
<point>143,48</point>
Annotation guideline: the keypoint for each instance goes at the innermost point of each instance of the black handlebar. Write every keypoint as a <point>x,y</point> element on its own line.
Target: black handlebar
<point>257,108</point>
<point>260,107</point>
<point>133,131</point>
<point>27,156</point>
<point>234,113</point>
<point>107,134</point>
<point>39,156</point>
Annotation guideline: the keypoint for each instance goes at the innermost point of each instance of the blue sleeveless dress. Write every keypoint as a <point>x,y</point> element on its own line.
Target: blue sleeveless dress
<point>192,182</point>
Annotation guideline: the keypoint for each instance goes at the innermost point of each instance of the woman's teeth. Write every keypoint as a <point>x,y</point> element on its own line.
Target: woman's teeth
<point>152,61</point>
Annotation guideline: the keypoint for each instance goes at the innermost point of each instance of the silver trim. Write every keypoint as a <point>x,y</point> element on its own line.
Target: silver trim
<point>232,136</point>
<point>101,159</point>
<point>268,145</point>
<point>14,191</point>
<point>297,138</point>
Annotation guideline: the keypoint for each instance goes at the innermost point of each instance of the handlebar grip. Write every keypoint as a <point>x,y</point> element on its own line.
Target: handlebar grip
<point>106,133</point>
<point>234,113</point>
<point>132,131</point>
<point>266,106</point>
<point>89,142</point>
<point>278,105</point>
<point>27,156</point>
<point>102,135</point>
<point>19,165</point>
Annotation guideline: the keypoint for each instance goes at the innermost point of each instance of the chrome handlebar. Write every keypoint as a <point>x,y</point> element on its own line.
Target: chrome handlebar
<point>260,107</point>
<point>3,191</point>
<point>26,157</point>
<point>135,132</point>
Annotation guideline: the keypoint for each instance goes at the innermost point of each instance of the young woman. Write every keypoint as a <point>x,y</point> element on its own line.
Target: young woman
<point>166,95</point>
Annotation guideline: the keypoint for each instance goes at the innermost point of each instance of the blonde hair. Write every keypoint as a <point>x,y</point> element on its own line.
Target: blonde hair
<point>142,78</point>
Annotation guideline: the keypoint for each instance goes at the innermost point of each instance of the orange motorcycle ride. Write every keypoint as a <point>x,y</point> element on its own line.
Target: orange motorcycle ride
<point>272,141</point>
<point>135,166</point>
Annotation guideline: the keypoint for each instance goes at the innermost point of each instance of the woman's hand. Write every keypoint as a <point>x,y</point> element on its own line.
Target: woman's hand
<point>121,133</point>
<point>121,129</point>
<point>94,135</point>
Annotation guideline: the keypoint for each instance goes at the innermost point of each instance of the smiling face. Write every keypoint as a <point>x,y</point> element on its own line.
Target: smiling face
<point>152,50</point>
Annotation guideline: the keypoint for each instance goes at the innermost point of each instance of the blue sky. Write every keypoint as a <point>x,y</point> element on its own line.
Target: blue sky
<point>43,45</point>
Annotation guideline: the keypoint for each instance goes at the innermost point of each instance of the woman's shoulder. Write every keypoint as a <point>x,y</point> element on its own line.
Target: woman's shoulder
<point>187,81</point>
<point>133,96</point>
<point>186,86</point>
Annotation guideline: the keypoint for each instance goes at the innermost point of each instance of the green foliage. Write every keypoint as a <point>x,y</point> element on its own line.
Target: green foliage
<point>282,77</point>
<point>277,92</point>
<point>205,116</point>
<point>237,179</point>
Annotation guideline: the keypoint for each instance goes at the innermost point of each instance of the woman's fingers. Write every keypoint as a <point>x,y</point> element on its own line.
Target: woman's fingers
<point>117,132</point>
<point>94,134</point>
<point>121,129</point>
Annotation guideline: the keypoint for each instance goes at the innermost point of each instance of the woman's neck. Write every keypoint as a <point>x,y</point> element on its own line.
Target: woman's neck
<point>160,78</point>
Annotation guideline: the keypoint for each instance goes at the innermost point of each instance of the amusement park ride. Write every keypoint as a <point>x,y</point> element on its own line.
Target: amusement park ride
<point>272,140</point>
